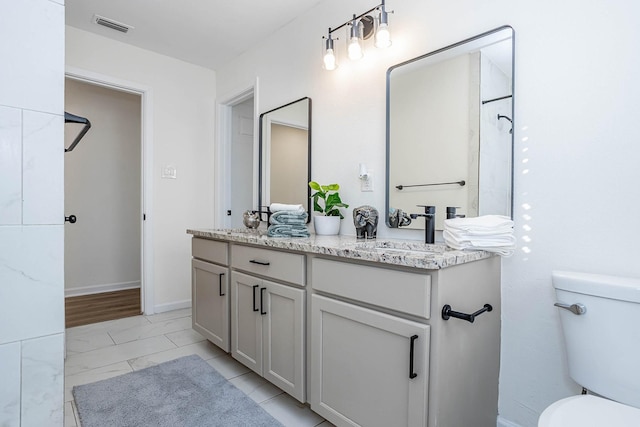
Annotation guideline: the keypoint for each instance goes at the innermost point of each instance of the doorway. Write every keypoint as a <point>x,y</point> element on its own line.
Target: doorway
<point>103,190</point>
<point>242,176</point>
<point>237,158</point>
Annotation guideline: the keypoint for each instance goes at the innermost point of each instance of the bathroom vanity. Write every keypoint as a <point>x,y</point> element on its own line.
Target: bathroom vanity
<point>356,328</point>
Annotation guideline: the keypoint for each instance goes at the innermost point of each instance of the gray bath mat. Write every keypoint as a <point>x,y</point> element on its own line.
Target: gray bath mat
<point>186,392</point>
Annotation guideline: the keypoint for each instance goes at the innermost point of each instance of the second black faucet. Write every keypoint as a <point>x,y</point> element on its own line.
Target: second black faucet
<point>429,224</point>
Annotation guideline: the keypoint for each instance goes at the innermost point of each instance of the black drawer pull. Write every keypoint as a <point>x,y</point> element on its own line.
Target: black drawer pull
<point>220,290</point>
<point>254,297</point>
<point>412,374</point>
<point>253,261</point>
<point>447,313</point>
<point>262,301</point>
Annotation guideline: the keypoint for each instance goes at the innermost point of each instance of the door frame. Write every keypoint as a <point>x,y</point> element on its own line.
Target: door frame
<point>146,138</point>
<point>224,109</point>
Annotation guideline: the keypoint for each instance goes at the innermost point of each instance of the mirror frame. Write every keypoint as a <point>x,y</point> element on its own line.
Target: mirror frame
<point>261,157</point>
<point>433,53</point>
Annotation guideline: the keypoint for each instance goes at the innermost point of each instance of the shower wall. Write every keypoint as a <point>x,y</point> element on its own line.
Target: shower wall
<point>495,172</point>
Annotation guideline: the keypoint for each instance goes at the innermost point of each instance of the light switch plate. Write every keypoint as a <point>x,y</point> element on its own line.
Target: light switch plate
<point>169,172</point>
<point>366,184</point>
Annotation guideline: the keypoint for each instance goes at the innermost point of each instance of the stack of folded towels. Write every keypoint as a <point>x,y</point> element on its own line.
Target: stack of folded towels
<point>492,233</point>
<point>287,221</point>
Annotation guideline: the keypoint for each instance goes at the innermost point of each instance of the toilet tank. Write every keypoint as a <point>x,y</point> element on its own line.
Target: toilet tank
<point>603,344</point>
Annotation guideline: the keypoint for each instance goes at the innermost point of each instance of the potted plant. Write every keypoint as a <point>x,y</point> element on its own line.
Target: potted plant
<point>326,200</point>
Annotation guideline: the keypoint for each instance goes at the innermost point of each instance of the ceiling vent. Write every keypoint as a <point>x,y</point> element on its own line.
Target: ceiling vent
<point>110,23</point>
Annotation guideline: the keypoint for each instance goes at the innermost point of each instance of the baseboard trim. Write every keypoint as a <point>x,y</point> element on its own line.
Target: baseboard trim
<point>178,305</point>
<point>501,422</point>
<point>99,289</point>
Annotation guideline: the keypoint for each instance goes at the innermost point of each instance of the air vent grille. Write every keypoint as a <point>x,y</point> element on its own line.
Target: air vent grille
<point>110,23</point>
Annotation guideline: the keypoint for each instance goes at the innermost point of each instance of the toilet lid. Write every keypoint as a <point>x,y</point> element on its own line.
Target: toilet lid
<point>589,411</point>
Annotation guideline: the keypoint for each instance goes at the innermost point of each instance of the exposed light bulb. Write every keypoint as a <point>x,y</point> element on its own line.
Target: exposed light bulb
<point>383,37</point>
<point>354,49</point>
<point>329,60</point>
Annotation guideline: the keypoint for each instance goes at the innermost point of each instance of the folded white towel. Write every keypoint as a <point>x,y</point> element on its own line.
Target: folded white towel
<point>480,224</point>
<point>503,248</point>
<point>492,233</point>
<point>278,207</point>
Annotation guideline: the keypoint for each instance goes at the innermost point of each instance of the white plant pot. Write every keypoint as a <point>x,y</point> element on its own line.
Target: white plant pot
<point>326,225</point>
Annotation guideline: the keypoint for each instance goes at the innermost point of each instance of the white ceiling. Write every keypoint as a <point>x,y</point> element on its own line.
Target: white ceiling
<point>203,32</point>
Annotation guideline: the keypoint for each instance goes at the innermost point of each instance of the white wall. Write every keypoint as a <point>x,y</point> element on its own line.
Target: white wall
<point>577,104</point>
<point>102,188</point>
<point>183,115</point>
<point>31,213</point>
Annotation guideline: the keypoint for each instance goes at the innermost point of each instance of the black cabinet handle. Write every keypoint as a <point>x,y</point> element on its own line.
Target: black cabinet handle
<point>220,278</point>
<point>262,301</point>
<point>254,297</point>
<point>447,313</point>
<point>253,261</point>
<point>412,374</point>
<point>71,218</point>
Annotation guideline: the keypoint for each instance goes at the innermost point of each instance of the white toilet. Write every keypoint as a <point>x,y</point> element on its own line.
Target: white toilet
<point>600,317</point>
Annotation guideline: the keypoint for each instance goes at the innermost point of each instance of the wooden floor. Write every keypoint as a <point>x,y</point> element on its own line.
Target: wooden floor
<point>94,308</point>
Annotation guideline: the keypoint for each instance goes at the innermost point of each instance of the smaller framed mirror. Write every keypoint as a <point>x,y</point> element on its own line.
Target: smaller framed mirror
<point>285,155</point>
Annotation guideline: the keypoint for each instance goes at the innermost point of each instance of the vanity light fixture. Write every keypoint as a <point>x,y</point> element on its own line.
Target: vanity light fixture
<point>329,58</point>
<point>359,28</point>
<point>355,36</point>
<point>383,37</point>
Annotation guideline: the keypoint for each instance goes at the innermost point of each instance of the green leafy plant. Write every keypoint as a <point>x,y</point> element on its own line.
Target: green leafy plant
<point>328,196</point>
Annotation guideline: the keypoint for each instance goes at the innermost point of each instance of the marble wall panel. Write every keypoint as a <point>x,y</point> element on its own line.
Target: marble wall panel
<point>43,168</point>
<point>10,165</point>
<point>10,389</point>
<point>31,281</point>
<point>43,381</point>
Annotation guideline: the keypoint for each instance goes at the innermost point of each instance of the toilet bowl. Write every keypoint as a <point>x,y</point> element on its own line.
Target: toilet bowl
<point>599,317</point>
<point>589,411</point>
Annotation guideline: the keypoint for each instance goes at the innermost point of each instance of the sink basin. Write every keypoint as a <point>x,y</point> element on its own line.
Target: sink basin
<point>252,231</point>
<point>401,248</point>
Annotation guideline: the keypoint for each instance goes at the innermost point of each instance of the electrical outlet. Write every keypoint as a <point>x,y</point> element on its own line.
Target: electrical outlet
<point>168,172</point>
<point>366,184</point>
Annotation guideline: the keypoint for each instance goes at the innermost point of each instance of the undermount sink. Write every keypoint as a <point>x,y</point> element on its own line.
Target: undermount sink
<point>253,231</point>
<point>401,248</point>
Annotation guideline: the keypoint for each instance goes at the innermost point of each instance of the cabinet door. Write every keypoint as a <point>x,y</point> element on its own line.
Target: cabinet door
<point>364,371</point>
<point>246,322</point>
<point>283,337</point>
<point>210,302</point>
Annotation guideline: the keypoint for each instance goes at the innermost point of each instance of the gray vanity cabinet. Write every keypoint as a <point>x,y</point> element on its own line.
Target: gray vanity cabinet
<point>366,336</point>
<point>268,318</point>
<point>382,354</point>
<point>210,291</point>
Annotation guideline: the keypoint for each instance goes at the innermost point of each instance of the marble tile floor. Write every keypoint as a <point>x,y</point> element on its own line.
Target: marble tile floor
<point>107,349</point>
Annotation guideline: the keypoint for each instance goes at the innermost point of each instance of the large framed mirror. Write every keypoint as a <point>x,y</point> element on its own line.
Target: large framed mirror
<point>449,135</point>
<point>285,155</point>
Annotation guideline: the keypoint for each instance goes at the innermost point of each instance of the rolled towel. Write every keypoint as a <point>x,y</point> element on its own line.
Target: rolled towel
<point>281,230</point>
<point>288,217</point>
<point>277,207</point>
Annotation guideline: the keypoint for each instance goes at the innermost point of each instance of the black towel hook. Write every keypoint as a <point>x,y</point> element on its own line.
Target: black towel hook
<point>72,118</point>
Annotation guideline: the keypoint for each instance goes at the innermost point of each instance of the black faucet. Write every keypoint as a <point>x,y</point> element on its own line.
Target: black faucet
<point>429,222</point>
<point>451,212</point>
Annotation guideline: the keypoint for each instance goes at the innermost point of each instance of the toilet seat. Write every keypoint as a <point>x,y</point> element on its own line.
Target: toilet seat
<point>589,411</point>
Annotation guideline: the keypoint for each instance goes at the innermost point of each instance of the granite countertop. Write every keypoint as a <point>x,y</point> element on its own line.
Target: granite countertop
<point>407,253</point>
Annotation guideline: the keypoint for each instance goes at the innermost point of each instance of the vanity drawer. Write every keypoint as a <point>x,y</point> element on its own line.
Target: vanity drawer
<point>397,290</point>
<point>277,265</point>
<point>210,250</point>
